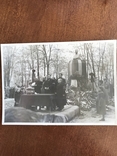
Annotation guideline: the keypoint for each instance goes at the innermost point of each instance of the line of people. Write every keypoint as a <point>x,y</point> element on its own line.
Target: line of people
<point>53,86</point>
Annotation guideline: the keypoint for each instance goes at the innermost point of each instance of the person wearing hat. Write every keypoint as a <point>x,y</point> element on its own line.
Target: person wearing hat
<point>61,77</point>
<point>92,80</point>
<point>102,102</point>
<point>48,85</point>
<point>60,94</point>
<point>38,85</point>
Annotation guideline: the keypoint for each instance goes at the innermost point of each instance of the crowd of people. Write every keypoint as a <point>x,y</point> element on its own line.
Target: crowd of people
<point>57,86</point>
<point>53,86</point>
<point>47,86</point>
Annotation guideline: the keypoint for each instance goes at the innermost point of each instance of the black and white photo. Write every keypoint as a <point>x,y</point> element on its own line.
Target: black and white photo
<point>59,83</point>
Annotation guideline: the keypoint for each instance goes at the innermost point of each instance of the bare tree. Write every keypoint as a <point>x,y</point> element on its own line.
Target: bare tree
<point>47,52</point>
<point>59,62</point>
<point>9,62</point>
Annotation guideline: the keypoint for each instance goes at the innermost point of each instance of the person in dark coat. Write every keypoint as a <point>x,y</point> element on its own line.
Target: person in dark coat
<point>92,77</point>
<point>43,82</point>
<point>53,87</point>
<point>63,81</point>
<point>17,96</point>
<point>48,85</point>
<point>61,77</point>
<point>92,80</point>
<point>60,94</point>
<point>38,86</point>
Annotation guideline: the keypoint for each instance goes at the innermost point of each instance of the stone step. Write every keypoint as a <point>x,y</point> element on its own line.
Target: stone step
<point>67,114</point>
<point>20,114</point>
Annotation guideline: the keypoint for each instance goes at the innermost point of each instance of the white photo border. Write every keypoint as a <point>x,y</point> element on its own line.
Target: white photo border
<point>114,41</point>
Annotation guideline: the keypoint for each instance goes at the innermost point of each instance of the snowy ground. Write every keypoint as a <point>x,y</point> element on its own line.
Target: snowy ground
<point>87,117</point>
<point>92,117</point>
<point>9,103</point>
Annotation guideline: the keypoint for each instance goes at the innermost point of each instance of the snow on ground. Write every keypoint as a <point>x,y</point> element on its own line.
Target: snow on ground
<point>9,103</point>
<point>92,117</point>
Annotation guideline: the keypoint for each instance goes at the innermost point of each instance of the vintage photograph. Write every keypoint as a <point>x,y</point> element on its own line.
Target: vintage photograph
<point>59,83</point>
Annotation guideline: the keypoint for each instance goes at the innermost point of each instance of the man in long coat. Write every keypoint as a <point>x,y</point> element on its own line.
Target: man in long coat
<point>48,85</point>
<point>102,101</point>
<point>38,86</point>
<point>60,94</point>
